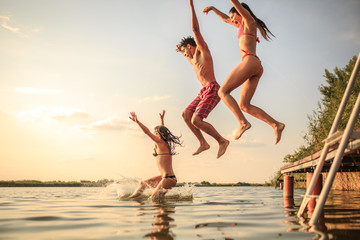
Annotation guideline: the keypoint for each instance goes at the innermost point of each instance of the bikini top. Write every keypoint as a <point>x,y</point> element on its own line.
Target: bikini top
<point>155,154</point>
<point>241,33</point>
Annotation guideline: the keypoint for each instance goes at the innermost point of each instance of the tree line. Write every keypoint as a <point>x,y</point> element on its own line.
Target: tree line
<point>36,183</point>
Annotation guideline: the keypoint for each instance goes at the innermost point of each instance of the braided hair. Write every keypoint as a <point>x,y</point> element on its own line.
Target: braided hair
<point>171,140</point>
<point>265,32</point>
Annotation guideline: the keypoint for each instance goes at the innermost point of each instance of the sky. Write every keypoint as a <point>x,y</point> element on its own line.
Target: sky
<point>71,71</point>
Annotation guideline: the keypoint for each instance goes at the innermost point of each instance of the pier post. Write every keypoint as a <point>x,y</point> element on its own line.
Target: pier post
<point>288,186</point>
<point>317,190</point>
<point>288,191</point>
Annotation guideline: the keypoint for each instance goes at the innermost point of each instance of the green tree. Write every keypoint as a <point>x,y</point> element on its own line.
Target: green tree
<point>321,120</point>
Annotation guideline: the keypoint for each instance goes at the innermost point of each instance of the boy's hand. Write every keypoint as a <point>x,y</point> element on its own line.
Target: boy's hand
<point>207,10</point>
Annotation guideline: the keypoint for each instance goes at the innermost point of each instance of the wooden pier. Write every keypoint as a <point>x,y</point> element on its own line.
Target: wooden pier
<point>340,153</point>
<point>350,162</point>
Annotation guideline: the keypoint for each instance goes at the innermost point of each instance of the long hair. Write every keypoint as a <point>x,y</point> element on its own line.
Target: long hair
<point>171,140</point>
<point>265,32</point>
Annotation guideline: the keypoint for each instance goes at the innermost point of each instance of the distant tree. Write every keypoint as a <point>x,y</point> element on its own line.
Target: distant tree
<point>243,184</point>
<point>205,183</point>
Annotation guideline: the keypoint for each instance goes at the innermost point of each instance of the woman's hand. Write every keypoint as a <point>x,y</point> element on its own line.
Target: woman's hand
<point>208,9</point>
<point>133,117</point>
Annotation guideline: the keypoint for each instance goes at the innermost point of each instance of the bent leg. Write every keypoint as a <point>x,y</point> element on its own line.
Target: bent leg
<point>235,79</point>
<point>187,115</point>
<point>247,92</point>
<point>164,185</point>
<point>209,129</point>
<point>151,182</point>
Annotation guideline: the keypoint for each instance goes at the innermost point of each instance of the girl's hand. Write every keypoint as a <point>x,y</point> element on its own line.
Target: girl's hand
<point>207,9</point>
<point>162,115</point>
<point>133,117</point>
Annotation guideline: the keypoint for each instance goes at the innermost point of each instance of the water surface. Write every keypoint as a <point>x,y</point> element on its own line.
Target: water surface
<point>191,213</point>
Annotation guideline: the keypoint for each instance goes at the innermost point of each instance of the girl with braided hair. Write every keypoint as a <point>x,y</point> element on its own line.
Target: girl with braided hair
<point>165,143</point>
<point>247,74</point>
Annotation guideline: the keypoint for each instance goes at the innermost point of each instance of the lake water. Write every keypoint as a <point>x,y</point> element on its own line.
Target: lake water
<point>189,213</point>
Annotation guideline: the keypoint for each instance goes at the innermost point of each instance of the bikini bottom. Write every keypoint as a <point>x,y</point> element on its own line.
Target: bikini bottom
<point>173,177</point>
<point>247,53</point>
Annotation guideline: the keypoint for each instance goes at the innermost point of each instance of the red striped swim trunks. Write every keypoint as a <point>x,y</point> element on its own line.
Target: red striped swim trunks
<point>206,101</point>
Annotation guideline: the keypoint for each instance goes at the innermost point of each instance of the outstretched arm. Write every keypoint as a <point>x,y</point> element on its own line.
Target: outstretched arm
<point>162,117</point>
<point>220,14</point>
<point>143,127</point>
<point>195,27</point>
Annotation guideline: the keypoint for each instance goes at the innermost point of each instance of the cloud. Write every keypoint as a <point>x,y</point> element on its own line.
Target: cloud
<point>5,24</point>
<point>62,114</point>
<point>45,114</point>
<point>245,140</point>
<point>39,91</point>
<point>153,99</point>
<point>113,124</point>
<point>249,142</point>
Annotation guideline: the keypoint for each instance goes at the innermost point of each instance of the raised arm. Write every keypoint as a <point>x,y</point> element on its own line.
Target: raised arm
<point>242,11</point>
<point>144,128</point>
<point>162,117</point>
<point>220,14</point>
<point>195,27</point>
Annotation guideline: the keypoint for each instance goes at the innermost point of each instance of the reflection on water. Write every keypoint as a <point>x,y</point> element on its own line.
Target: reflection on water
<point>342,214</point>
<point>162,223</point>
<point>211,213</point>
<point>340,218</point>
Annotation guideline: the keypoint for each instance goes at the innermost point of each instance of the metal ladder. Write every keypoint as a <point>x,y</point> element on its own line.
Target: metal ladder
<point>333,137</point>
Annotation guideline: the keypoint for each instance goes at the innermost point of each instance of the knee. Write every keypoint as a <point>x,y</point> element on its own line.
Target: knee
<point>222,93</point>
<point>196,121</point>
<point>186,115</point>
<point>245,107</point>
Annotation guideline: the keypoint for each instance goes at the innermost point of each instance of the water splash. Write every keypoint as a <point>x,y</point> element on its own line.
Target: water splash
<point>126,186</point>
<point>181,193</point>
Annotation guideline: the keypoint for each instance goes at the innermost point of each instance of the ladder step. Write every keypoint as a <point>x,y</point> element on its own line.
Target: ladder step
<point>310,196</point>
<point>337,136</point>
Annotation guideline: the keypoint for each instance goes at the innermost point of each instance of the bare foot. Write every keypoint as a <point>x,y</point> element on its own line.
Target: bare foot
<point>278,131</point>
<point>222,147</point>
<point>202,147</point>
<point>242,129</point>
<point>134,195</point>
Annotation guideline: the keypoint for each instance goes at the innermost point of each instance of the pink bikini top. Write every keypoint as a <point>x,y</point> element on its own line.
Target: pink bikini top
<point>241,33</point>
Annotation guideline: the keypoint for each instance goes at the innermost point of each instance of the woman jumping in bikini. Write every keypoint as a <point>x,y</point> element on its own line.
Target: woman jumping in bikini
<point>165,143</point>
<point>247,74</point>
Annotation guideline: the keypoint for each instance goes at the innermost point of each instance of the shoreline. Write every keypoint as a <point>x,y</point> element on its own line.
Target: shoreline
<point>106,182</point>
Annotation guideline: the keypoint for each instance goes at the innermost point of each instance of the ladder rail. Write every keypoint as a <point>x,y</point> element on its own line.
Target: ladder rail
<point>314,179</point>
<point>333,129</point>
<point>336,164</point>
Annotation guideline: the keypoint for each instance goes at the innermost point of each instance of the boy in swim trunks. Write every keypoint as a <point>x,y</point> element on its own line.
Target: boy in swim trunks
<point>198,54</point>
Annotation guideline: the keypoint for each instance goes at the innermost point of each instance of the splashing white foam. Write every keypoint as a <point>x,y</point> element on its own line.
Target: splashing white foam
<point>126,186</point>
